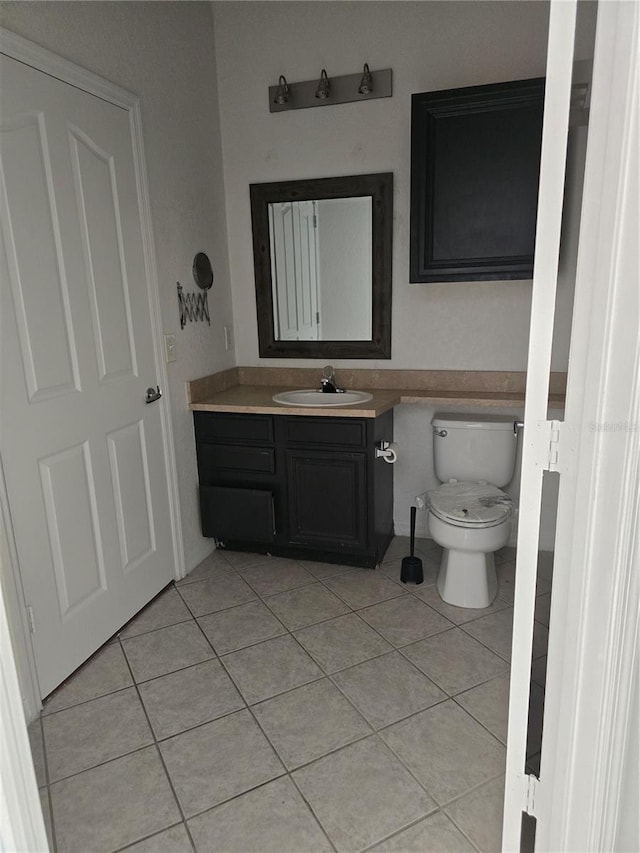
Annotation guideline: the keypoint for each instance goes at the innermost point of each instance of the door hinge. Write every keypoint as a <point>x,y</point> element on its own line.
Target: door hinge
<point>553,447</point>
<point>315,221</point>
<point>31,618</point>
<point>555,430</point>
<point>533,784</point>
<point>318,318</point>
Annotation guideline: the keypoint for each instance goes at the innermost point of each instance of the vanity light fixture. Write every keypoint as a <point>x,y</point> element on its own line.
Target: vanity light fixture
<point>282,95</point>
<point>366,84</point>
<point>323,89</point>
<point>322,92</point>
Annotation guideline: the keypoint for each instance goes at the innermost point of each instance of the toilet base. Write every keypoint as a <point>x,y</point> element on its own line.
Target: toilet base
<point>467,578</point>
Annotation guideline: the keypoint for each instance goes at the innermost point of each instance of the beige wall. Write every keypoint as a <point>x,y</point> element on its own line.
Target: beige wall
<point>164,52</point>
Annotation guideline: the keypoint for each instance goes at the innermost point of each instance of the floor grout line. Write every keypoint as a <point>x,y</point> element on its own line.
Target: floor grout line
<point>153,835</point>
<point>406,766</point>
<point>86,701</point>
<point>313,812</point>
<point>462,831</point>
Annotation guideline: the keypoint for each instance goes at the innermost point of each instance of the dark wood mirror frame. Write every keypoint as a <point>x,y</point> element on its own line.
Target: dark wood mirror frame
<point>380,188</point>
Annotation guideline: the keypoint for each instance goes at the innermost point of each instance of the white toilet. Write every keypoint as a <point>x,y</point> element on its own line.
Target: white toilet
<point>474,455</point>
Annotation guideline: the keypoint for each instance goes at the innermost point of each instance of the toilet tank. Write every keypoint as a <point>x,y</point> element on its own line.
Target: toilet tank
<point>474,448</point>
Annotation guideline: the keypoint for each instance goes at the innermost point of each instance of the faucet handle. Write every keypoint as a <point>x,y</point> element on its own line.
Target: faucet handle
<point>328,381</point>
<point>329,373</point>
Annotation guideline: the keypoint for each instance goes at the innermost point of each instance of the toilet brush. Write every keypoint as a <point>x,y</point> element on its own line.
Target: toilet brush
<point>411,569</point>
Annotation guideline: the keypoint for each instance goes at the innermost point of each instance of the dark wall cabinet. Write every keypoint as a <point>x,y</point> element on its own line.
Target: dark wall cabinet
<point>475,165</point>
<point>308,487</point>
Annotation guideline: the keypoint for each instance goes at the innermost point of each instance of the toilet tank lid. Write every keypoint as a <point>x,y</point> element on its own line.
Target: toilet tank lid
<point>458,420</point>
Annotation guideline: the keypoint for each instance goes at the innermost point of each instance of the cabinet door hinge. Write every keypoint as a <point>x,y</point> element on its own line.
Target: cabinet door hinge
<point>31,618</point>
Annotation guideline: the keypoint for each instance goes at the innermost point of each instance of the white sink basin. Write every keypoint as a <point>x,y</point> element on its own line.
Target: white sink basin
<point>320,399</point>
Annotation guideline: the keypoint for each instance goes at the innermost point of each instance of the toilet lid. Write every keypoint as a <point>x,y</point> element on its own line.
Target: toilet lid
<point>470,504</point>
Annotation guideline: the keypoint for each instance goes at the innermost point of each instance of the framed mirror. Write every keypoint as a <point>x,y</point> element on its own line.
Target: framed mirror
<point>202,271</point>
<point>322,258</point>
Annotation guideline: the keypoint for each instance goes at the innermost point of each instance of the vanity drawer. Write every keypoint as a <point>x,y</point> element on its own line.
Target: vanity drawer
<point>243,515</point>
<point>214,426</point>
<point>214,458</point>
<point>322,432</point>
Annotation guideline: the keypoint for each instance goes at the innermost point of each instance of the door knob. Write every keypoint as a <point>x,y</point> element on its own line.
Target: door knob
<point>153,394</point>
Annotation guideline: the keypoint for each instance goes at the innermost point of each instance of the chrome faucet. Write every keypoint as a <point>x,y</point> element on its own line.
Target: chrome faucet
<point>328,381</point>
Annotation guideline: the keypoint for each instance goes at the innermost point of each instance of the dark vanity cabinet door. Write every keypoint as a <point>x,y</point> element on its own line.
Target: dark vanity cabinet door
<point>339,498</point>
<point>299,486</point>
<point>327,499</point>
<point>237,474</point>
<point>328,484</point>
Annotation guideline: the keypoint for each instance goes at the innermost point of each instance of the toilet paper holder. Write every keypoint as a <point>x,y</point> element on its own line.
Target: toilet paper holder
<point>387,450</point>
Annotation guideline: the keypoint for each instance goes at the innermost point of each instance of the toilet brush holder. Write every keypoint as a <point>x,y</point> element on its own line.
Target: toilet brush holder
<point>411,568</point>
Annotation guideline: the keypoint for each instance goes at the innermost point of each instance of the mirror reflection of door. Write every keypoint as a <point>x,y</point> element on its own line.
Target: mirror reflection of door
<point>294,270</point>
<point>321,269</point>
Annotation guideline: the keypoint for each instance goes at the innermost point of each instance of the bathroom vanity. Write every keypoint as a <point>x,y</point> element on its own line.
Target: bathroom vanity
<point>296,485</point>
<point>306,482</point>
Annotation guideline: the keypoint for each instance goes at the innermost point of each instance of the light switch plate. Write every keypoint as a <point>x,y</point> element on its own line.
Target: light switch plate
<point>170,348</point>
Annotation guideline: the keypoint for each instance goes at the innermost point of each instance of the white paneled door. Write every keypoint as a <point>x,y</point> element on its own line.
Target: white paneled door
<point>83,455</point>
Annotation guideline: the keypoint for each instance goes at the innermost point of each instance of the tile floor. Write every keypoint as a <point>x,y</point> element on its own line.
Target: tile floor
<point>264,704</point>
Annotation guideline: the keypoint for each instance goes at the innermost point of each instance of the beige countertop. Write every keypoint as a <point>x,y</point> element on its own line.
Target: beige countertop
<point>250,390</point>
<point>258,399</point>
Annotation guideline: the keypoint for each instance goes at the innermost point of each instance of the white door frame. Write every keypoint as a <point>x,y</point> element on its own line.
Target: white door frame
<point>595,618</point>
<point>44,60</point>
<point>580,798</point>
<point>519,785</point>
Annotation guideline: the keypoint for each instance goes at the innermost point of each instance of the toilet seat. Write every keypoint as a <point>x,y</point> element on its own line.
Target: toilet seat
<point>470,505</point>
